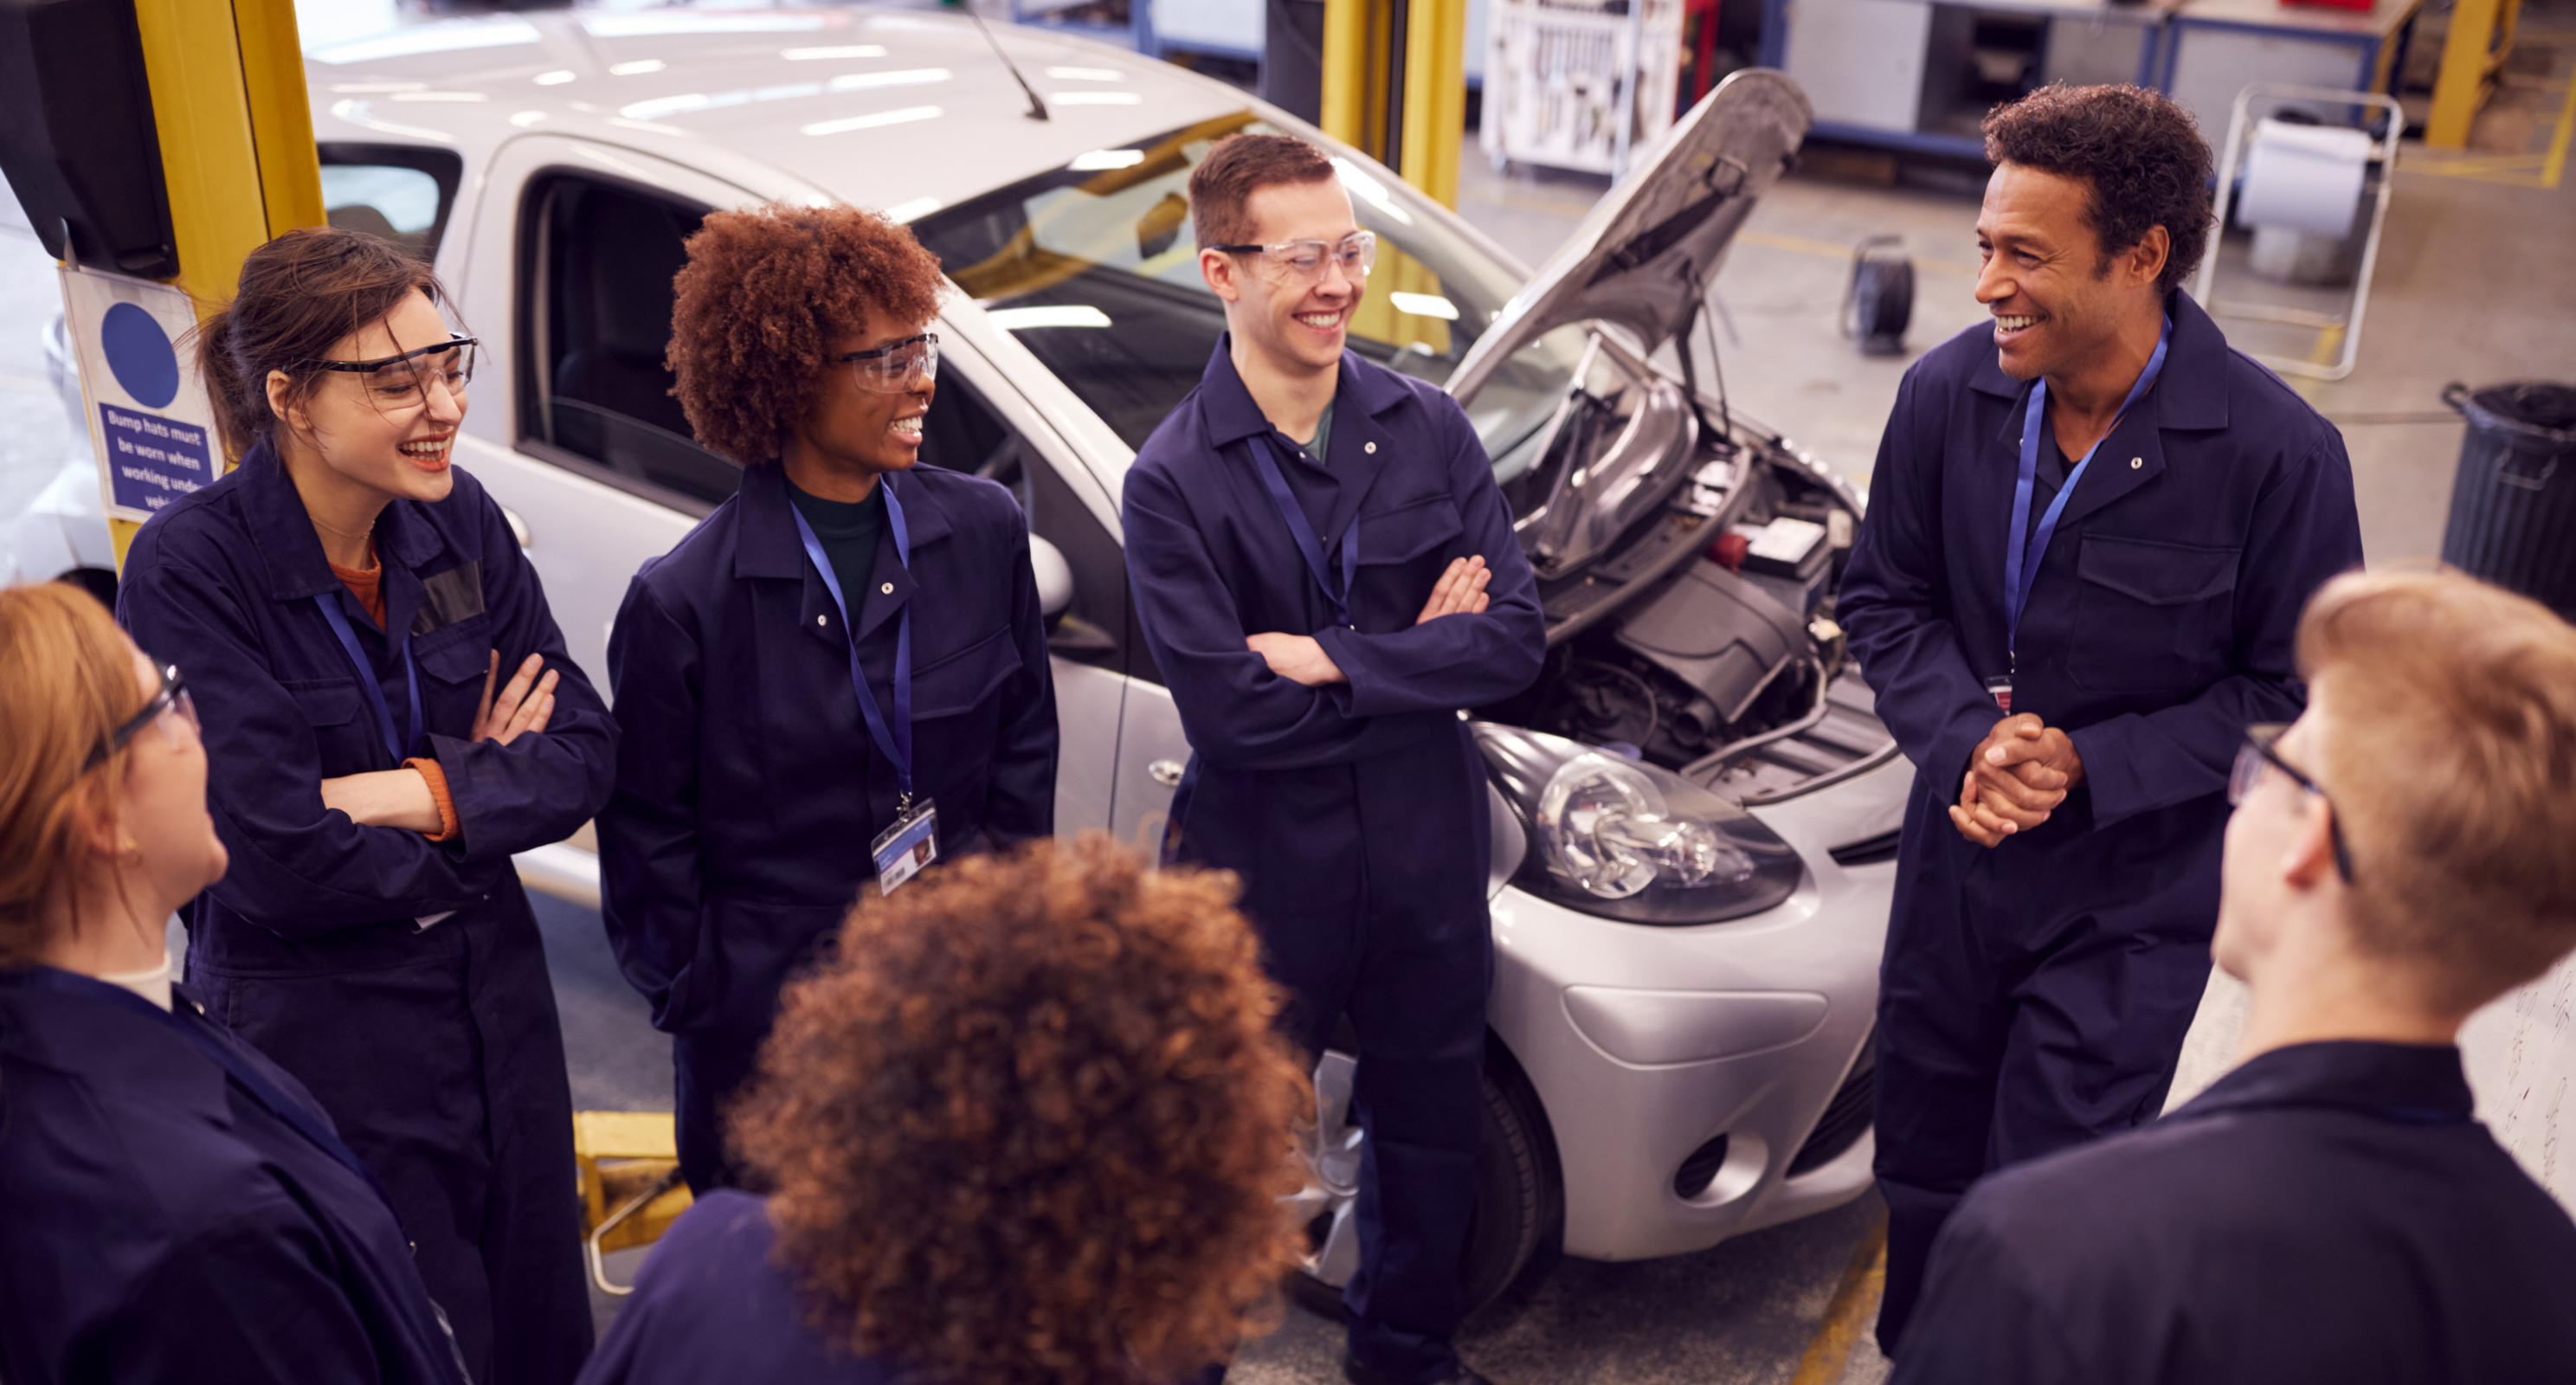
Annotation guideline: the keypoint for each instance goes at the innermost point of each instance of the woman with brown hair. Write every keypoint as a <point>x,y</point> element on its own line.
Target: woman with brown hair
<point>839,676</point>
<point>173,1206</point>
<point>1029,1128</point>
<point>343,603</point>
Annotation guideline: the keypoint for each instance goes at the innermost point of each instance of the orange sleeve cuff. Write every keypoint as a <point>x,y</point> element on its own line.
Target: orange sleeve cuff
<point>437,778</point>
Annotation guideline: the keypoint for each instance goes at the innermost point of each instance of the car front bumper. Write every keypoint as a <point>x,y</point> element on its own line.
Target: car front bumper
<point>1647,1045</point>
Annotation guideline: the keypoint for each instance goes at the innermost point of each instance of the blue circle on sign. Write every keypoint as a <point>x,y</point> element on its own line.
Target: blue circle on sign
<point>139,355</point>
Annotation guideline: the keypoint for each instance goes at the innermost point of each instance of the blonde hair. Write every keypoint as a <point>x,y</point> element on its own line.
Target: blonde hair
<point>66,683</point>
<point>2450,749</point>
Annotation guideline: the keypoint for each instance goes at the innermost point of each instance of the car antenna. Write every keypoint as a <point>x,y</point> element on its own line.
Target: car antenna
<point>1037,108</point>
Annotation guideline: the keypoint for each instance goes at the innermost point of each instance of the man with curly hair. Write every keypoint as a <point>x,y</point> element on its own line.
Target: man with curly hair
<point>2329,1213</point>
<point>1025,1129</point>
<point>1326,573</point>
<point>2098,481</point>
<point>841,670</point>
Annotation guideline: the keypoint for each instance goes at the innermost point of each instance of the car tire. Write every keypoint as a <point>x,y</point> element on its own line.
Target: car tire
<point>1520,1202</point>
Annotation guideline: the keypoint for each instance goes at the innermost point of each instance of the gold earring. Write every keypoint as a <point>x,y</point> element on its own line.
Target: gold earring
<point>133,848</point>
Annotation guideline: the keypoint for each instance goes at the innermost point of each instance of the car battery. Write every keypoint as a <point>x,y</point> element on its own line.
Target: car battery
<point>1789,560</point>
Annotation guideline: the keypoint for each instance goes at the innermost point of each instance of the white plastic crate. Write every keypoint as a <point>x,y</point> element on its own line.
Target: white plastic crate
<point>1579,85</point>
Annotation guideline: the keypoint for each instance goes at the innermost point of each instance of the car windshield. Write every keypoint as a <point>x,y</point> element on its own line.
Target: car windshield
<point>1094,269</point>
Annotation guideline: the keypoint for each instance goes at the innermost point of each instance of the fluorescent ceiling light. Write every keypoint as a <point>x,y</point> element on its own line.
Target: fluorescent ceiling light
<point>444,36</point>
<point>914,210</point>
<point>636,68</point>
<point>1425,305</point>
<point>1099,159</point>
<point>906,77</point>
<point>1065,315</point>
<point>846,50</point>
<point>904,116</point>
<point>1371,189</point>
<point>1086,74</point>
<point>1094,98</point>
<point>555,78</point>
<point>524,119</point>
<point>355,112</point>
<point>674,22</point>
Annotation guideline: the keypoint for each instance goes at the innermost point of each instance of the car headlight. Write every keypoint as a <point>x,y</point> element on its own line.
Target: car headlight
<point>1628,840</point>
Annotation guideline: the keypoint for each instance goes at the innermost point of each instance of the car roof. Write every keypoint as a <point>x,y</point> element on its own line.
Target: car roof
<point>892,109</point>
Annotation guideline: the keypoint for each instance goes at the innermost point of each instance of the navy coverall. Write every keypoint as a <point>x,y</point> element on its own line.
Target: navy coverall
<point>748,790</point>
<point>158,1222</point>
<point>2035,995</point>
<point>2327,1214</point>
<point>1355,813</point>
<point>435,1048</point>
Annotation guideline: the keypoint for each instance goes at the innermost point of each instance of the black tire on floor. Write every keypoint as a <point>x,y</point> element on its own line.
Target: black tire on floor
<point>1520,1200</point>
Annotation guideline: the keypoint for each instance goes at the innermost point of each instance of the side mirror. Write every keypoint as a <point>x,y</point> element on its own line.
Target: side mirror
<point>1055,579</point>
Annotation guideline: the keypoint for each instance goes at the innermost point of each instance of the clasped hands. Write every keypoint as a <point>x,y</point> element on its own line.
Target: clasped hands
<point>2016,777</point>
<point>1300,659</point>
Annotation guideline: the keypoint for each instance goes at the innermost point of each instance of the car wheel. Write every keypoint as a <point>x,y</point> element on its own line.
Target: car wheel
<point>1518,1201</point>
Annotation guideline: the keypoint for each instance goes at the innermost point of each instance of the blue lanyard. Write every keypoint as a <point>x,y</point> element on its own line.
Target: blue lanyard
<point>394,743</point>
<point>894,742</point>
<point>2020,571</point>
<point>1307,544</point>
<point>197,1032</point>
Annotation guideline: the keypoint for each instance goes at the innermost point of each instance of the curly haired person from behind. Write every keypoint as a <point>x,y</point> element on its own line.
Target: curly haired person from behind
<point>2330,1212</point>
<point>1027,1129</point>
<point>844,664</point>
<point>173,1206</point>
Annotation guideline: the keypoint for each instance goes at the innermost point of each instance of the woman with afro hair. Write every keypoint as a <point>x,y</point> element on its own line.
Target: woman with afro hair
<point>843,665</point>
<point>1028,1128</point>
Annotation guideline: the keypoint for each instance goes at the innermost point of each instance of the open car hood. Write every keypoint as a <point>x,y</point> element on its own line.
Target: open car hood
<point>1645,256</point>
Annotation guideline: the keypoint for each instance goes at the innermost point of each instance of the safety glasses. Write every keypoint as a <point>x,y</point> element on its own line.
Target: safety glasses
<point>892,369</point>
<point>168,707</point>
<point>399,385</point>
<point>1299,264</point>
<point>2258,752</point>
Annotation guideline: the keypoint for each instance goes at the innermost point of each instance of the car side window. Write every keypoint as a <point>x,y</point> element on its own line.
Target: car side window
<point>399,192</point>
<point>964,433</point>
<point>598,259</point>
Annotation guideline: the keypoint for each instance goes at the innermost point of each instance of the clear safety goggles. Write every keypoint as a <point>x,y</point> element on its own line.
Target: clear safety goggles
<point>1299,264</point>
<point>168,708</point>
<point>893,369</point>
<point>401,385</point>
<point>2260,752</point>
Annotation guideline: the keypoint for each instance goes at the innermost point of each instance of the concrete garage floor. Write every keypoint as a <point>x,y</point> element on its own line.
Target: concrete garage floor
<point>2476,282</point>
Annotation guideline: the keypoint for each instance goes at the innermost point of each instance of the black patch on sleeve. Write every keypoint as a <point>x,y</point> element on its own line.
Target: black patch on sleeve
<point>449,597</point>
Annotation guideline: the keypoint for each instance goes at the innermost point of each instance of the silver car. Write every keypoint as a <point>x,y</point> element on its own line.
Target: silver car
<point>1695,810</point>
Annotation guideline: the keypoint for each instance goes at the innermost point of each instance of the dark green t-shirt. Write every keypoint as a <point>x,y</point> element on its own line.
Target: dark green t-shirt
<point>849,536</point>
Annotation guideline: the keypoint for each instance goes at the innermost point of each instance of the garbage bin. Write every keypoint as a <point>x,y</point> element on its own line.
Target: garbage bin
<point>2513,508</point>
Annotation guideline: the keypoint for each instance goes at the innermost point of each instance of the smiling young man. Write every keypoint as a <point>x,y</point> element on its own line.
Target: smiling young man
<point>841,673</point>
<point>2092,526</point>
<point>1327,574</point>
<point>2329,1212</point>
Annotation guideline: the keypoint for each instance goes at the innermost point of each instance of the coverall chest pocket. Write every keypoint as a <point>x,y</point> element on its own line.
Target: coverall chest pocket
<point>453,663</point>
<point>2152,616</point>
<point>956,714</point>
<point>1403,549</point>
<point>346,743</point>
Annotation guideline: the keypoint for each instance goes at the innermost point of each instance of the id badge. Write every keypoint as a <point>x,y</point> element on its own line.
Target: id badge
<point>2000,689</point>
<point>903,849</point>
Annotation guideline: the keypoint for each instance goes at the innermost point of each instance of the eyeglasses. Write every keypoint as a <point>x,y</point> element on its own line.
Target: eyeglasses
<point>890,369</point>
<point>400,384</point>
<point>2258,752</point>
<point>173,697</point>
<point>1299,264</point>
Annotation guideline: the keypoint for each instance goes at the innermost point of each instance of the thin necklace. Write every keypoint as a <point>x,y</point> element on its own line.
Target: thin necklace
<point>368,532</point>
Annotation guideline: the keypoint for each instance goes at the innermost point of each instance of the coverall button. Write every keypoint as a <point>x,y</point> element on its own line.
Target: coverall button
<point>1368,447</point>
<point>822,620</point>
<point>887,589</point>
<point>2136,462</point>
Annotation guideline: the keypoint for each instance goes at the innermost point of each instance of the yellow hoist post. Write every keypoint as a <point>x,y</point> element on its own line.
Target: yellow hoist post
<point>236,135</point>
<point>1395,85</point>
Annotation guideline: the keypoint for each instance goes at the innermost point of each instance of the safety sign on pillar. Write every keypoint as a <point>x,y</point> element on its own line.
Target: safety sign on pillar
<point>151,423</point>
<point>154,144</point>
